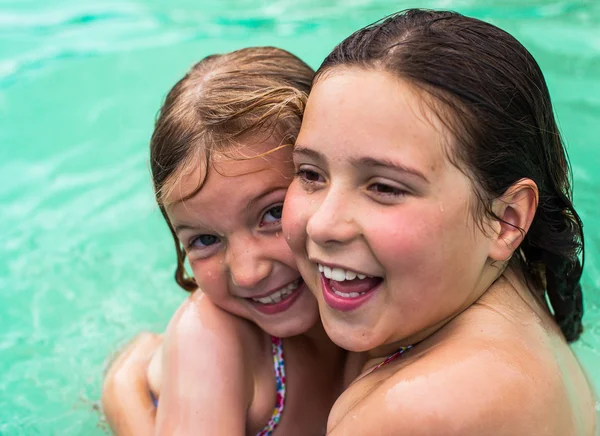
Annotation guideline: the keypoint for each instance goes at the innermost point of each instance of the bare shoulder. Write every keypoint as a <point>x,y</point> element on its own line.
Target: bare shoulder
<point>204,340</point>
<point>463,389</point>
<point>209,360</point>
<point>199,320</point>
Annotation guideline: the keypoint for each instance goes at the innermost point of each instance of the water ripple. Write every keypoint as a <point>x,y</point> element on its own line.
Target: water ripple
<point>85,259</point>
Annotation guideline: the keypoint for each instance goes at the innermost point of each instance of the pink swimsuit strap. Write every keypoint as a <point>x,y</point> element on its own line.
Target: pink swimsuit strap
<point>397,354</point>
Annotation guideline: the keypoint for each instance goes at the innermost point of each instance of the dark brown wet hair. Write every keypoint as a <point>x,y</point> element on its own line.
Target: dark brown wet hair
<point>492,95</point>
<point>222,101</point>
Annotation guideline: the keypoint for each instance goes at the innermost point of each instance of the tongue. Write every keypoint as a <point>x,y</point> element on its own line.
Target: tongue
<point>356,285</point>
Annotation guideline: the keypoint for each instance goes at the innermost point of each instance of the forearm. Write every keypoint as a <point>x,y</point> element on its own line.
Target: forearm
<point>206,386</point>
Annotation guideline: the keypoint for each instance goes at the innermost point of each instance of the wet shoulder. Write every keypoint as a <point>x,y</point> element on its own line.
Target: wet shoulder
<point>198,323</point>
<point>457,388</point>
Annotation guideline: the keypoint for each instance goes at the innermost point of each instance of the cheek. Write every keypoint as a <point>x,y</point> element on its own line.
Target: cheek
<point>210,277</point>
<point>213,281</point>
<point>279,250</point>
<point>403,238</point>
<point>423,239</point>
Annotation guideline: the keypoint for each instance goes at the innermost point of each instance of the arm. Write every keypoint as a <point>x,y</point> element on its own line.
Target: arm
<point>125,397</point>
<point>207,385</point>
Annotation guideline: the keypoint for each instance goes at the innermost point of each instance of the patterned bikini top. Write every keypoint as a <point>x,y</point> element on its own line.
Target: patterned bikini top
<point>279,365</point>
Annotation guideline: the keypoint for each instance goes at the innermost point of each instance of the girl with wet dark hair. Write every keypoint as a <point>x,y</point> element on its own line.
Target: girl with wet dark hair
<point>431,216</point>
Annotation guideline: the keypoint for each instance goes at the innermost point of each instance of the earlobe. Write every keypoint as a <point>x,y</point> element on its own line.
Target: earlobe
<point>515,209</point>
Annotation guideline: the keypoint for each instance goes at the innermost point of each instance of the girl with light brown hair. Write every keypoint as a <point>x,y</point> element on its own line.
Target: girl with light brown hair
<point>246,353</point>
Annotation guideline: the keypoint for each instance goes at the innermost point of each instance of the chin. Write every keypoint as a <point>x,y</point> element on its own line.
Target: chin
<point>349,338</point>
<point>293,327</point>
<point>349,344</point>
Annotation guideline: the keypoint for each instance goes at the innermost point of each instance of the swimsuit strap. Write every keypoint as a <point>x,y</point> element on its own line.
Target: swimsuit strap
<point>279,365</point>
<point>397,354</point>
<point>393,356</point>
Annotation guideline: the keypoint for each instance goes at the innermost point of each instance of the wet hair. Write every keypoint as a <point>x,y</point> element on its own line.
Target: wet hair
<point>224,100</point>
<point>491,94</point>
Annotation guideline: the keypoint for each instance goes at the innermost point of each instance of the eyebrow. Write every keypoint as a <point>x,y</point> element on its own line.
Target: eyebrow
<point>308,152</point>
<point>251,204</point>
<point>179,228</point>
<point>362,161</point>
<point>388,163</point>
<point>185,226</point>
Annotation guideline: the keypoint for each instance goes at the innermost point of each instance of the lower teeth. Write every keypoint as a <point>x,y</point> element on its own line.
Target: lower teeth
<point>350,295</point>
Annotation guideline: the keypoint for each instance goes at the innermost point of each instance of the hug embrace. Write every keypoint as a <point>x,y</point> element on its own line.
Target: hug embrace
<point>387,246</point>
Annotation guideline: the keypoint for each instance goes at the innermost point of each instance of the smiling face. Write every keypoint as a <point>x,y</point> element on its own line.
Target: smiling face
<point>231,230</point>
<point>378,218</point>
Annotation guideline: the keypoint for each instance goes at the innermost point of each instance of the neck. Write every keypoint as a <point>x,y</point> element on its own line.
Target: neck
<point>341,365</point>
<point>489,275</point>
<point>318,338</point>
<point>512,296</point>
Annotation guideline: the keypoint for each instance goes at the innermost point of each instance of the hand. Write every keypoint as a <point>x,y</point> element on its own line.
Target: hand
<point>154,371</point>
<point>126,399</point>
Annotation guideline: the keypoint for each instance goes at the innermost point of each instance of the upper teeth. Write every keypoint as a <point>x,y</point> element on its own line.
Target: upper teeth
<point>278,295</point>
<point>339,274</point>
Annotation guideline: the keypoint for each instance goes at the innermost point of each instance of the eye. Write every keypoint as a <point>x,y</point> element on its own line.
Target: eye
<point>272,216</point>
<point>309,176</point>
<point>204,241</point>
<point>387,190</point>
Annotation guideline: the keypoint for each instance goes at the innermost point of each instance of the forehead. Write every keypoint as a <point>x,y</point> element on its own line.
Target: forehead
<point>371,111</point>
<point>253,162</point>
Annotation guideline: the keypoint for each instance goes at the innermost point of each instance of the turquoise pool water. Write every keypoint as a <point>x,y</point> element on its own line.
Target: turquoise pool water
<point>85,261</point>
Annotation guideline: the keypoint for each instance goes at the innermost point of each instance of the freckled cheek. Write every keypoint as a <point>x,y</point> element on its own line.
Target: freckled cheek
<point>211,278</point>
<point>278,250</point>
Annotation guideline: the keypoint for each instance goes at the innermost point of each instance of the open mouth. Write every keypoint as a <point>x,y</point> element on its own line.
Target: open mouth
<point>279,300</point>
<point>346,290</point>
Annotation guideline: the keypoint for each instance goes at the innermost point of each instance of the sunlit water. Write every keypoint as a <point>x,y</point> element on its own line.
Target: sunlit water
<point>85,261</point>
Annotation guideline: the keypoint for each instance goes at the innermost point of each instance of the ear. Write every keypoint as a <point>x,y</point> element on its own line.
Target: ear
<point>516,209</point>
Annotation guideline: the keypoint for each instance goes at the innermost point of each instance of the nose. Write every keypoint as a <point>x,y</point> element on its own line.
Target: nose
<point>332,221</point>
<point>248,261</point>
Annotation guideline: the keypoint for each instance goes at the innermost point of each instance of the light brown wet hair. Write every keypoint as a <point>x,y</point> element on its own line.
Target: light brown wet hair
<point>224,99</point>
